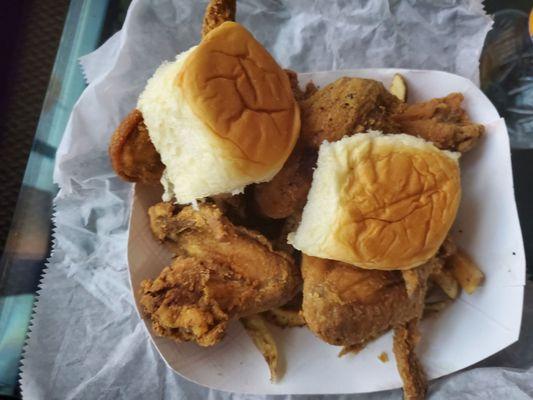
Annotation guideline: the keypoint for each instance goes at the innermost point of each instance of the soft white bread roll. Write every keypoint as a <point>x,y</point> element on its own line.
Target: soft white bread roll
<point>379,201</point>
<point>222,116</point>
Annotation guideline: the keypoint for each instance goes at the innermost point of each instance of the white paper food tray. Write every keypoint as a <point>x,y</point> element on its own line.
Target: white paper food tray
<point>471,329</point>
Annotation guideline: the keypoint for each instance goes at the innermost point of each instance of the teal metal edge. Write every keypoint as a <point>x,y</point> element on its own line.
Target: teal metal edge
<point>81,35</point>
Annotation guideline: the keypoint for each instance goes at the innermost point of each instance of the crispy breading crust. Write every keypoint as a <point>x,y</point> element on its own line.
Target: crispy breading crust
<point>133,156</point>
<point>221,272</point>
<point>218,12</point>
<point>442,121</point>
<point>406,336</point>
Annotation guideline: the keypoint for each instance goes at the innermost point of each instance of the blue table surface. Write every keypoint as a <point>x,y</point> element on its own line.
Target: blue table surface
<point>88,24</point>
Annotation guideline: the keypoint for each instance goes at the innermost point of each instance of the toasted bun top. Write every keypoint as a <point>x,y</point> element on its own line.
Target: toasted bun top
<point>239,91</point>
<point>380,201</point>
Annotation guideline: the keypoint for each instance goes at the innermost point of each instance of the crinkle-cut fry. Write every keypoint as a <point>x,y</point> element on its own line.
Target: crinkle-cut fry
<point>406,337</point>
<point>216,13</point>
<point>398,87</point>
<point>465,271</point>
<point>258,331</point>
<point>446,281</point>
<point>285,318</point>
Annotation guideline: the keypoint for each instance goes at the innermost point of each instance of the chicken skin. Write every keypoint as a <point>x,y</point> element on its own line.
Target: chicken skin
<point>132,154</point>
<point>441,121</point>
<point>414,380</point>
<point>287,191</point>
<point>349,306</point>
<point>221,272</point>
<point>345,107</point>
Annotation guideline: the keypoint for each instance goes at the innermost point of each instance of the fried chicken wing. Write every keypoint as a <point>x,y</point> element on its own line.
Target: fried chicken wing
<point>133,156</point>
<point>221,272</point>
<point>442,121</point>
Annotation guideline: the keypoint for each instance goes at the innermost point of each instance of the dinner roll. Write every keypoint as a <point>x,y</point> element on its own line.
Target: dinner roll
<point>222,116</point>
<point>379,201</point>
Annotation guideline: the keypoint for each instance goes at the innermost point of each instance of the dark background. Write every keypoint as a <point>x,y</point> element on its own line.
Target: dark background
<point>29,36</point>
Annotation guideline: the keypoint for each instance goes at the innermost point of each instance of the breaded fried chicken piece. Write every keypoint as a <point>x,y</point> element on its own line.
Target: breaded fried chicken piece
<point>233,206</point>
<point>133,156</point>
<point>406,336</point>
<point>218,12</point>
<point>345,107</point>
<point>348,306</point>
<point>287,191</point>
<point>300,94</point>
<point>221,272</point>
<point>441,121</point>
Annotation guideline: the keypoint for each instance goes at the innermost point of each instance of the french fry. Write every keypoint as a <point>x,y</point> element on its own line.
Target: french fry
<point>465,271</point>
<point>285,318</point>
<point>398,87</point>
<point>446,281</point>
<point>258,331</point>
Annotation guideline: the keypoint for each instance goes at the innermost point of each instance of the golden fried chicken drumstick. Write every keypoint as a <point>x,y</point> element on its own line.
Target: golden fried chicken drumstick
<point>221,272</point>
<point>133,156</point>
<point>287,191</point>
